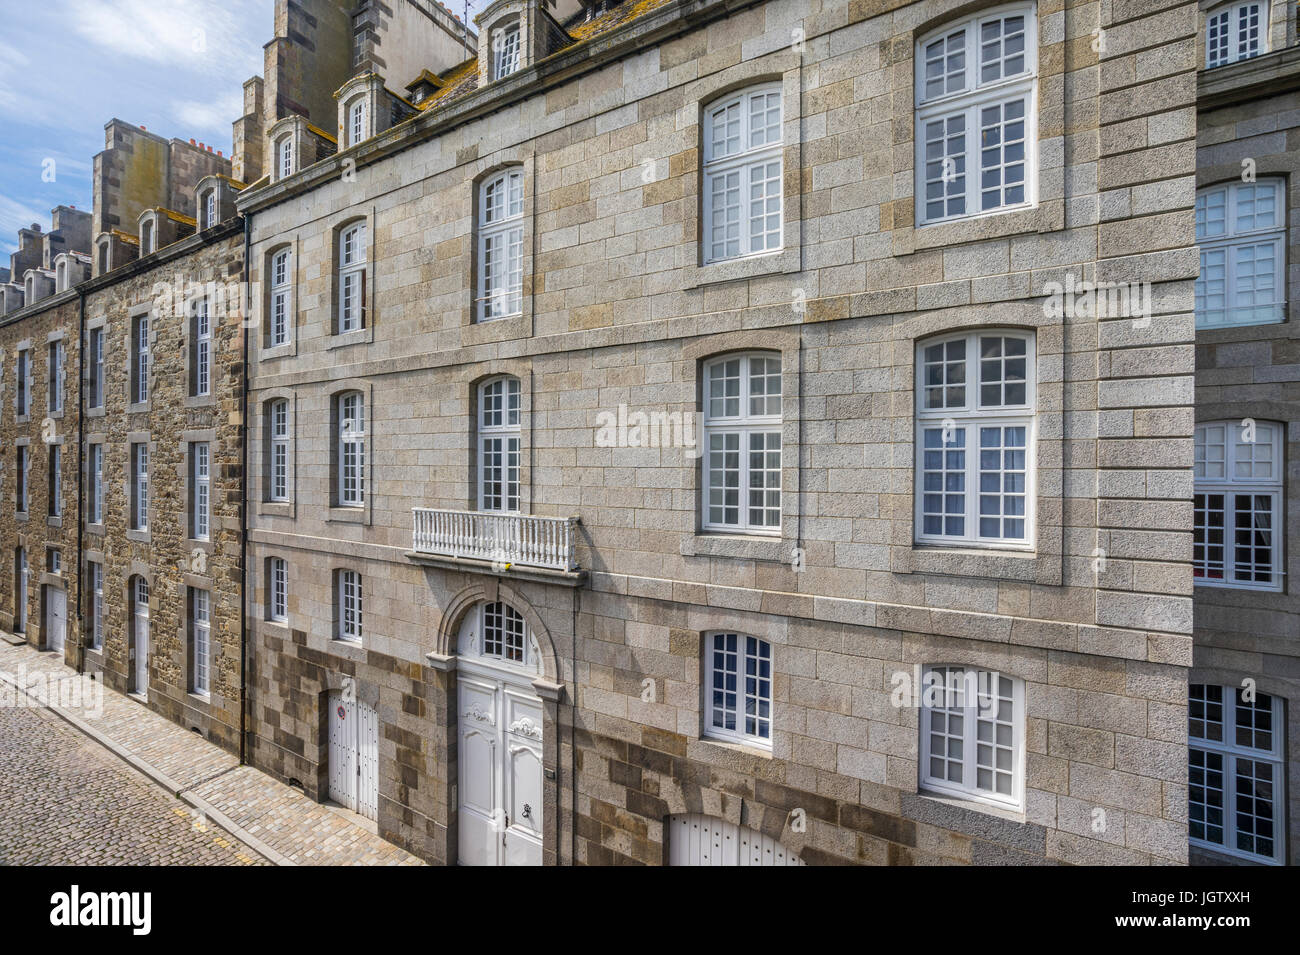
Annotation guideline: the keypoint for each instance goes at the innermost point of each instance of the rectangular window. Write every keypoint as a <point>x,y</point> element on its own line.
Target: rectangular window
<point>739,682</point>
<point>278,333</point>
<point>200,491</point>
<point>743,458</point>
<point>352,278</point>
<point>972,734</point>
<point>975,139</point>
<point>200,641</point>
<point>55,477</point>
<point>743,175</point>
<point>975,399</point>
<point>54,399</point>
<point>96,345</point>
<point>351,450</point>
<point>139,386</point>
<point>1236,776</point>
<point>201,351</point>
<point>277,586</point>
<point>1237,500</point>
<point>278,425</point>
<point>499,445</point>
<point>95,465</point>
<point>95,584</point>
<point>348,586</point>
<point>1240,228</point>
<point>22,472</point>
<point>139,486</point>
<point>22,383</point>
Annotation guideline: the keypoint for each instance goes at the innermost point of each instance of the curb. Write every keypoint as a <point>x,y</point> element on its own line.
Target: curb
<point>160,778</point>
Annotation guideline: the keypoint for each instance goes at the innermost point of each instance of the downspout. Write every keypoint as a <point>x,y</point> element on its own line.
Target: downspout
<point>243,505</point>
<point>81,478</point>
<point>573,731</point>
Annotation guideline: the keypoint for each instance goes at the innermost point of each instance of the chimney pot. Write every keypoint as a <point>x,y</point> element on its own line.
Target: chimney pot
<point>193,143</point>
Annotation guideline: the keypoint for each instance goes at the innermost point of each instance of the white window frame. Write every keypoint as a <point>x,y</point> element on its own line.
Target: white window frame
<point>1232,244</point>
<point>500,444</point>
<point>210,208</point>
<point>278,325</point>
<point>139,384</point>
<point>351,439</point>
<point>97,367</point>
<point>277,590</point>
<point>200,490</point>
<point>947,686</point>
<point>146,237</point>
<point>96,468</point>
<point>966,420</point>
<point>968,101</point>
<point>350,605</point>
<point>277,423</point>
<point>54,401</point>
<point>1231,16</point>
<point>744,426</point>
<point>501,245</point>
<point>96,604</point>
<point>746,690</point>
<point>201,639</point>
<point>748,166</point>
<point>352,278</point>
<point>504,635</point>
<point>506,48</point>
<point>139,502</point>
<point>1229,752</point>
<point>202,330</point>
<point>1207,480</point>
<point>284,153</point>
<point>356,119</point>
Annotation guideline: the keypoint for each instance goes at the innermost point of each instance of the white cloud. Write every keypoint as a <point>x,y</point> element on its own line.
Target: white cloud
<point>194,35</point>
<point>15,215</point>
<point>214,115</point>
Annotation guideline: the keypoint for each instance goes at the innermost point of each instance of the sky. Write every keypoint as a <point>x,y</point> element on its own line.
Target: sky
<point>67,67</point>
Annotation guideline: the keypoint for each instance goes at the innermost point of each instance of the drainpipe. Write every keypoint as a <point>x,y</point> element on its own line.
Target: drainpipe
<point>573,730</point>
<point>243,505</point>
<point>81,477</point>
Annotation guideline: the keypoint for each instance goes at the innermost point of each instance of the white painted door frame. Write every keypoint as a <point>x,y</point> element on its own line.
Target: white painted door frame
<point>140,636</point>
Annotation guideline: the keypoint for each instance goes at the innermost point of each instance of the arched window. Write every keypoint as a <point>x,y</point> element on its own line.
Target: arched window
<point>501,245</point>
<point>742,174</point>
<point>351,449</point>
<point>61,276</point>
<point>1241,229</point>
<point>742,437</point>
<point>976,140</point>
<point>352,278</point>
<point>974,438</point>
<point>277,427</point>
<point>1236,31</point>
<point>496,633</point>
<point>284,156</point>
<point>499,442</point>
<point>209,207</point>
<point>281,280</point>
<point>972,734</point>
<point>357,131</point>
<point>505,51</point>
<point>1237,504</point>
<point>738,688</point>
<point>146,237</point>
<point>1236,772</point>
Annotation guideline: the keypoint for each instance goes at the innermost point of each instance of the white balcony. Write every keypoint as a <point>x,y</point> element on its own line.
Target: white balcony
<point>502,539</point>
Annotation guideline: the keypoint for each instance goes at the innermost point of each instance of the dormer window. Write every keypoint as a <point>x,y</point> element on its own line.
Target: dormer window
<point>61,276</point>
<point>505,51</point>
<point>146,237</point>
<point>103,256</point>
<point>284,152</point>
<point>29,289</point>
<point>357,121</point>
<point>210,209</point>
<point>1236,31</point>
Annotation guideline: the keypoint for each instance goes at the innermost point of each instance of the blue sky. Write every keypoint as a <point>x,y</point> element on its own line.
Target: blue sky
<point>69,66</point>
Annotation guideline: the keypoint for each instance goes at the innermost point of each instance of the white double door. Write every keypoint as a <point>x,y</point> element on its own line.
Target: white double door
<point>56,617</point>
<point>500,760</point>
<point>354,755</point>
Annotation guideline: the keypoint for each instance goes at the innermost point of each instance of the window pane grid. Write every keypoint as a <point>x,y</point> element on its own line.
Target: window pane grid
<point>202,627</point>
<point>743,172</point>
<point>1236,534</point>
<point>503,633</point>
<point>740,688</point>
<point>743,459</point>
<point>349,586</point>
<point>352,450</point>
<point>971,733</point>
<point>1243,255</point>
<point>501,246</point>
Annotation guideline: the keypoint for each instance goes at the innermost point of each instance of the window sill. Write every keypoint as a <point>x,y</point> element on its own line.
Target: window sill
<point>142,536</point>
<point>349,649</point>
<point>742,547</point>
<point>99,412</point>
<point>503,329</point>
<point>56,415</point>
<point>725,752</point>
<point>975,805</point>
<point>348,515</point>
<point>23,419</point>
<point>362,336</point>
<point>21,516</point>
<point>54,520</point>
<point>275,509</point>
<point>1046,217</point>
<point>205,699</point>
<point>97,529</point>
<point>137,407</point>
<point>200,401</point>
<point>276,352</point>
<point>751,266</point>
<point>1028,566</point>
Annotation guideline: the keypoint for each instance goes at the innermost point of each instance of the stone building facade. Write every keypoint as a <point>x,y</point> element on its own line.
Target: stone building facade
<point>439,606</point>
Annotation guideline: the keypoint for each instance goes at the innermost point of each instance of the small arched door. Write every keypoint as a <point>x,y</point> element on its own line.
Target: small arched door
<point>695,839</point>
<point>139,594</point>
<point>500,733</point>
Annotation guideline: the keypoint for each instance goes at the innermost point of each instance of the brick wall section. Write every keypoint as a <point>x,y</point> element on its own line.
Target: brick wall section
<point>617,312</point>
<point>36,532</point>
<point>166,556</point>
<point>1254,372</point>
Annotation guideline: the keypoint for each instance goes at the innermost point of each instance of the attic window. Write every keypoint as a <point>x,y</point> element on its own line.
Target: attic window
<point>146,237</point>
<point>210,208</point>
<point>285,151</point>
<point>103,256</point>
<point>599,8</point>
<point>357,121</point>
<point>505,51</point>
<point>61,277</point>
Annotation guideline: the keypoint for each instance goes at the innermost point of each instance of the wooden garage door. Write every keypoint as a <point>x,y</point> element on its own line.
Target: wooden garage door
<point>695,839</point>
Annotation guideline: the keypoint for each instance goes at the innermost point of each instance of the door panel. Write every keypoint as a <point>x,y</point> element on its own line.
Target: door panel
<point>367,762</point>
<point>56,618</point>
<point>695,839</point>
<point>354,755</point>
<point>342,754</point>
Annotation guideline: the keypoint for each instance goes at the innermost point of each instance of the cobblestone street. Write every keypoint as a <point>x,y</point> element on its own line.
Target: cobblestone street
<point>64,800</point>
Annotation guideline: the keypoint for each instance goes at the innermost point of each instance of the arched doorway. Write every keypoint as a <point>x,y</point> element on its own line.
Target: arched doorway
<point>138,598</point>
<point>499,717</point>
<point>696,839</point>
